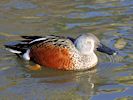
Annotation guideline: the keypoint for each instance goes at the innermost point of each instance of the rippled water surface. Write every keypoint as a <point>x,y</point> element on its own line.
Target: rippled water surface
<point>110,20</point>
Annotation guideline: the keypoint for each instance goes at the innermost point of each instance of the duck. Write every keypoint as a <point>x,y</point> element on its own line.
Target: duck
<point>59,52</point>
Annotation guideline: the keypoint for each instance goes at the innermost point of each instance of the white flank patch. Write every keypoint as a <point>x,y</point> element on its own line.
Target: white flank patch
<point>37,40</point>
<point>13,51</point>
<point>26,55</point>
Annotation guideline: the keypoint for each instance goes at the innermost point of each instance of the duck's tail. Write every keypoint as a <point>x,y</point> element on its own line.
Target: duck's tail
<point>22,46</point>
<point>17,49</point>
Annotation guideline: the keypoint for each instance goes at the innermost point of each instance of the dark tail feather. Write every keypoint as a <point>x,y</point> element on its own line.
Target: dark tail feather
<point>31,37</point>
<point>17,49</point>
<point>22,46</point>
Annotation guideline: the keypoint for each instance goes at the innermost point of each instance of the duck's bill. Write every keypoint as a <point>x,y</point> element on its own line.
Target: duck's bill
<point>104,49</point>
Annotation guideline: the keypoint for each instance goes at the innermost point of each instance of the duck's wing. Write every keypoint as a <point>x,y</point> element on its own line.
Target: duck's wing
<point>28,42</point>
<point>52,51</point>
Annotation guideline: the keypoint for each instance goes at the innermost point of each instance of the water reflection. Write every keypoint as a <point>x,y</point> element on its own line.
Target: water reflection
<point>78,84</point>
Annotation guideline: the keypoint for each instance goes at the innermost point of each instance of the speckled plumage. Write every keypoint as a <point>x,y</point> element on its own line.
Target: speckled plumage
<point>59,52</point>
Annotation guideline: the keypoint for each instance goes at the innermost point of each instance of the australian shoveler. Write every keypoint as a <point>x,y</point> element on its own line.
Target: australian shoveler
<point>59,52</point>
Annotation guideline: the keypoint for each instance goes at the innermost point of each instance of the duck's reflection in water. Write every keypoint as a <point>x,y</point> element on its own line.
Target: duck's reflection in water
<point>80,83</point>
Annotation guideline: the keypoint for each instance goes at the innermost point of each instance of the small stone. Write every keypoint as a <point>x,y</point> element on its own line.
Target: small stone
<point>120,43</point>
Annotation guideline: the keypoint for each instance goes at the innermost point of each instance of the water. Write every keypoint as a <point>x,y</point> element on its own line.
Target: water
<point>110,20</point>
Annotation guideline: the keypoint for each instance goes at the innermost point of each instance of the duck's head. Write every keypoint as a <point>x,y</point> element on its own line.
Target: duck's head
<point>88,43</point>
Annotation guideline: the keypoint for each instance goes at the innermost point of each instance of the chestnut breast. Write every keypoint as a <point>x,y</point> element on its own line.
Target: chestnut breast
<point>50,55</point>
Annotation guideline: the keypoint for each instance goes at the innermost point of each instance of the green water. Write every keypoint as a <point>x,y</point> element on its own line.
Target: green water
<point>110,20</point>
